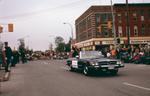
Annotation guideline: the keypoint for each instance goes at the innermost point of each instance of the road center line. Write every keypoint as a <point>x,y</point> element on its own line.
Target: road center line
<point>140,87</point>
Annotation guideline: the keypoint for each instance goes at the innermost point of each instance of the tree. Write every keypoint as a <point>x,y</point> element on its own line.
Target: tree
<point>68,46</point>
<point>58,40</point>
<point>60,47</point>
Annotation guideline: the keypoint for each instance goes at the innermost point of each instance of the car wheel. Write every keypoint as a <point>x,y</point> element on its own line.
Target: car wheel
<point>86,71</point>
<point>114,72</point>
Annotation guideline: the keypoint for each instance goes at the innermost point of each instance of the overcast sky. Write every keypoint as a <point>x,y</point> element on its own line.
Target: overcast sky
<point>39,21</point>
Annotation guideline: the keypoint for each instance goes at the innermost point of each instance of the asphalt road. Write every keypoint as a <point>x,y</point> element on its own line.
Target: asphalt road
<point>51,78</point>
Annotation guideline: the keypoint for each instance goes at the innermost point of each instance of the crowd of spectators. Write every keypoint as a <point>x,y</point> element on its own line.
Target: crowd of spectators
<point>131,54</point>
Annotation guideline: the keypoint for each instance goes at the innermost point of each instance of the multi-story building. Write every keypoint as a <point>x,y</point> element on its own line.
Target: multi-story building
<point>94,27</point>
<point>139,22</point>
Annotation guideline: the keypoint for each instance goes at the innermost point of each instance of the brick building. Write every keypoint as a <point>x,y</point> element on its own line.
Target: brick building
<point>94,27</point>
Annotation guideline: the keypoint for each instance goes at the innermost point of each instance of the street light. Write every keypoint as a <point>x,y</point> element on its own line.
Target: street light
<point>71,27</point>
<point>23,37</point>
<point>22,40</point>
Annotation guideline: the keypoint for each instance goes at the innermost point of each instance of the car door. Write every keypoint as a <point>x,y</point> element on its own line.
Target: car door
<point>75,63</point>
<point>80,64</point>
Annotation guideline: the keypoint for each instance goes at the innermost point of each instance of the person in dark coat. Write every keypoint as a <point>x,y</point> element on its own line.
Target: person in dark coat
<point>75,51</point>
<point>15,58</point>
<point>22,52</point>
<point>8,53</point>
<point>2,56</point>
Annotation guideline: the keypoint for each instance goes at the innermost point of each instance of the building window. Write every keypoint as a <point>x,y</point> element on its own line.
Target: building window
<point>89,22</point>
<point>142,18</point>
<point>120,31</point>
<point>98,18</point>
<point>143,30</point>
<point>135,16</point>
<point>135,30</point>
<point>105,17</point>
<point>119,18</point>
<point>98,25</point>
<point>105,32</point>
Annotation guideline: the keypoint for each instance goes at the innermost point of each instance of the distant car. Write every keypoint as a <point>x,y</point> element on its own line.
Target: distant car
<point>89,61</point>
<point>29,57</point>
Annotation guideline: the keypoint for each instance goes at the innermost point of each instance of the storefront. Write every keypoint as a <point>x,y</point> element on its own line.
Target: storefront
<point>100,43</point>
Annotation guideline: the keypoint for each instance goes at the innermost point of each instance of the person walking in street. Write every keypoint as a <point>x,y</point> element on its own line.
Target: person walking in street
<point>8,53</point>
<point>22,52</point>
<point>2,56</point>
<point>15,58</point>
<point>113,53</point>
<point>75,51</point>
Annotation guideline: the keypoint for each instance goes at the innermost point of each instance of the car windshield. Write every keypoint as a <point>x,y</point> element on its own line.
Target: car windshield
<point>90,54</point>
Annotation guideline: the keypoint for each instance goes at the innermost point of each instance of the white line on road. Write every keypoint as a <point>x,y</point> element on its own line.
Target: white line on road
<point>140,87</point>
<point>142,65</point>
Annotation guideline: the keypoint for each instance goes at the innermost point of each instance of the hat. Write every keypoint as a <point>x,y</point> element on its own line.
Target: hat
<point>6,43</point>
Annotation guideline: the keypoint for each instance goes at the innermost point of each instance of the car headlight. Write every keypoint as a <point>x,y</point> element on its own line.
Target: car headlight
<point>119,62</point>
<point>93,63</point>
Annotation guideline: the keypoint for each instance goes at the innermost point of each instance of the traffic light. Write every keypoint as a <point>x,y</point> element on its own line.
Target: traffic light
<point>118,40</point>
<point>1,29</point>
<point>109,24</point>
<point>10,28</point>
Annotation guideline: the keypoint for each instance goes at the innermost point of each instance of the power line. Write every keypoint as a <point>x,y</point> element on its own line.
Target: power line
<point>45,10</point>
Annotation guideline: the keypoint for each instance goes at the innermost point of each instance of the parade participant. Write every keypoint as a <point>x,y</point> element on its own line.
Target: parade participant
<point>2,56</point>
<point>8,53</point>
<point>15,57</point>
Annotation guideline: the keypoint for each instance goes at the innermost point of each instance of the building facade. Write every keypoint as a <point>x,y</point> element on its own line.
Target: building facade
<point>94,27</point>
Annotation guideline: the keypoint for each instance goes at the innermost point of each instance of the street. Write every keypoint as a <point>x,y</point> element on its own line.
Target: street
<point>51,78</point>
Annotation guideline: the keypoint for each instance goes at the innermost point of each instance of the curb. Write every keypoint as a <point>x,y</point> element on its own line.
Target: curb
<point>7,76</point>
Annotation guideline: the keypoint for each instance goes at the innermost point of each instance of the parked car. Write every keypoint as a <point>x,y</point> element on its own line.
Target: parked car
<point>94,61</point>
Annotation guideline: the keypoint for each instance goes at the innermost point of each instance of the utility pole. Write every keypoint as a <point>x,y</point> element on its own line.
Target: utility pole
<point>113,23</point>
<point>127,23</point>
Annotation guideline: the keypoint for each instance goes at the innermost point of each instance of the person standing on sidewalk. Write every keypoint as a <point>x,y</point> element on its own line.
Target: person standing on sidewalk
<point>1,56</point>
<point>8,53</point>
